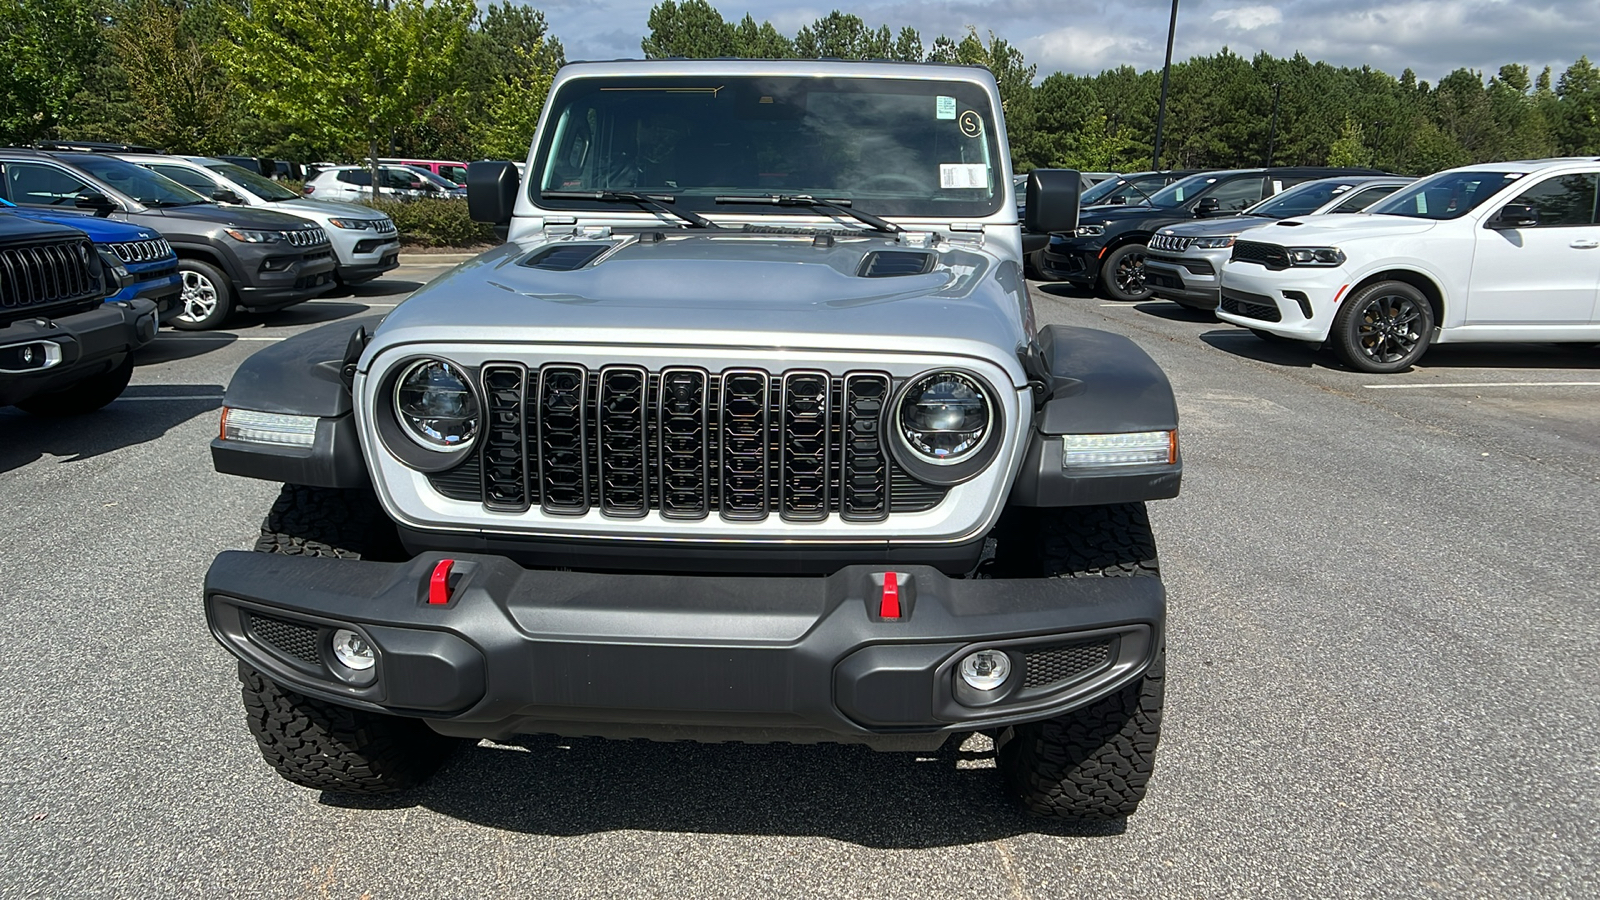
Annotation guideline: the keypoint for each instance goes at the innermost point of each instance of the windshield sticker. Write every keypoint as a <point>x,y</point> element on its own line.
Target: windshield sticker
<point>946,108</point>
<point>963,176</point>
<point>971,123</point>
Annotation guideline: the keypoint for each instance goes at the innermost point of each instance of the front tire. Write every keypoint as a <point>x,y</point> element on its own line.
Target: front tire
<point>1122,274</point>
<point>85,396</point>
<point>1383,328</point>
<point>1094,762</point>
<point>206,296</point>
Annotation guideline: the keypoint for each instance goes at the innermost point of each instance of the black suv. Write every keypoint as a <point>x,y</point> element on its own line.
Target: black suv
<point>1108,248</point>
<point>229,257</point>
<point>62,348</point>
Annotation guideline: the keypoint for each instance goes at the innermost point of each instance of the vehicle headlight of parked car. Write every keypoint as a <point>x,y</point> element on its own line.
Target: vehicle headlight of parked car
<point>1090,230</point>
<point>357,224</point>
<point>255,237</point>
<point>1212,243</point>
<point>1315,256</point>
<point>435,403</point>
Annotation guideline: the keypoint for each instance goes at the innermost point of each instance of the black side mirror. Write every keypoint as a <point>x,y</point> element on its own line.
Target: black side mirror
<point>492,191</point>
<point>95,202</point>
<point>1208,206</point>
<point>1118,200</point>
<point>224,195</point>
<point>1052,206</point>
<point>1514,215</point>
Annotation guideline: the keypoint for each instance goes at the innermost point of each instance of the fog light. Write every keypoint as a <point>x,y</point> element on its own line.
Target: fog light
<point>353,650</point>
<point>985,670</point>
<point>1139,448</point>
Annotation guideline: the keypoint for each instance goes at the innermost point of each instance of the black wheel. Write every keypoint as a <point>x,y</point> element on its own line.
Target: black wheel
<point>342,523</point>
<point>206,296</point>
<point>86,396</point>
<point>1383,327</point>
<point>328,747</point>
<point>1122,273</point>
<point>1094,762</point>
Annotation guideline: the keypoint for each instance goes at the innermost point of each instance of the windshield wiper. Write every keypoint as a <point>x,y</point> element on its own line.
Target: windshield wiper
<point>838,206</point>
<point>657,202</point>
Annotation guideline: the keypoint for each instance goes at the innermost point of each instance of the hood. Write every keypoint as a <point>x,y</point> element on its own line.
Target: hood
<point>744,289</point>
<point>1216,227</point>
<point>236,216</point>
<point>1110,215</point>
<point>323,208</point>
<point>101,231</point>
<point>26,228</point>
<point>1313,230</point>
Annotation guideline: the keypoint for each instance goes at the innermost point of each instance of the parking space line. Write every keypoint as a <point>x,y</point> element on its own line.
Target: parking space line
<point>168,397</point>
<point>351,300</point>
<point>213,337</point>
<point>1480,384</point>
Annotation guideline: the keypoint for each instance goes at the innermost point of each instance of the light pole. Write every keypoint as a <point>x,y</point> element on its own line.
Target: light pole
<point>1272,135</point>
<point>1166,74</point>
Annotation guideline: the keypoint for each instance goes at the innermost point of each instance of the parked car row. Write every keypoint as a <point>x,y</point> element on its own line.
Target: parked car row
<point>237,239</point>
<point>398,182</point>
<point>1378,266</point>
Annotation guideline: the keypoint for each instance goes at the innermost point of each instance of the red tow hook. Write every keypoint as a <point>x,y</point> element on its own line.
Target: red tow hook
<point>889,605</point>
<point>439,583</point>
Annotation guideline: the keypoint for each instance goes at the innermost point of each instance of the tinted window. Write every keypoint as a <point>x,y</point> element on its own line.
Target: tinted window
<point>34,185</point>
<point>360,177</point>
<point>1236,195</point>
<point>137,182</point>
<point>189,178</point>
<point>1563,200</point>
<point>1447,195</point>
<point>1300,200</point>
<point>1185,189</point>
<point>457,174</point>
<point>1364,198</point>
<point>265,188</point>
<point>1119,191</point>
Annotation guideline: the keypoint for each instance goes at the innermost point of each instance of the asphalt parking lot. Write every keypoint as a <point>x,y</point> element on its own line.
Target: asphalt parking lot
<point>1384,671</point>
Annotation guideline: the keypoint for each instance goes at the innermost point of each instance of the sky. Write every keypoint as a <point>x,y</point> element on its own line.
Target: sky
<point>1432,37</point>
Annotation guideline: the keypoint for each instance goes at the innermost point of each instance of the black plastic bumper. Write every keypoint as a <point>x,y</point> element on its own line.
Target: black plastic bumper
<point>68,349</point>
<point>1065,262</point>
<point>750,658</point>
<point>362,272</point>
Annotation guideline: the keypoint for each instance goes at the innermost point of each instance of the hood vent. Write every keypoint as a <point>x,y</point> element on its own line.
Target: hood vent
<point>565,257</point>
<point>894,263</point>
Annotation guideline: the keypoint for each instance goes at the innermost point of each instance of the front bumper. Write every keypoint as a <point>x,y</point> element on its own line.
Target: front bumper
<point>1071,260</point>
<point>363,254</point>
<point>1297,303</point>
<point>1190,281</point>
<point>277,277</point>
<point>747,658</point>
<point>163,291</point>
<point>68,349</point>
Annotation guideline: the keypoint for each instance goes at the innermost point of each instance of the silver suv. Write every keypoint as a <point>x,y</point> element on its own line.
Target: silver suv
<point>748,432</point>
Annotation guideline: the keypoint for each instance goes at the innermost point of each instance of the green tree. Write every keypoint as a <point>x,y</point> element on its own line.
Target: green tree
<point>753,41</point>
<point>45,49</point>
<point>692,29</point>
<point>1579,94</point>
<point>173,75</point>
<point>348,73</point>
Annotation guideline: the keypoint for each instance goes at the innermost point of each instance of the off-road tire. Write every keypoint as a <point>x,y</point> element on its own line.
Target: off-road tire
<point>328,747</point>
<point>1093,762</point>
<point>86,396</point>
<point>344,523</point>
<point>1122,274</point>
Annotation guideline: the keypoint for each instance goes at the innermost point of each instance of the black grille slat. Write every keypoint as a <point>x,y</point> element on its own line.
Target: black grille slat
<point>46,274</point>
<point>289,638</point>
<point>682,419</point>
<point>565,257</point>
<point>744,441</point>
<point>621,425</point>
<point>863,487</point>
<point>563,439</point>
<point>806,412</point>
<point>1272,256</point>
<point>505,441</point>
<point>1251,306</point>
<point>895,263</point>
<point>1045,666</point>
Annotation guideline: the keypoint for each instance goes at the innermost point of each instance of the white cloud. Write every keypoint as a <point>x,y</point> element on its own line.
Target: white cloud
<point>1249,18</point>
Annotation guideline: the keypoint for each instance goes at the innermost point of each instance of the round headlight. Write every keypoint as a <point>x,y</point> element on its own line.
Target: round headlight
<point>436,405</point>
<point>944,417</point>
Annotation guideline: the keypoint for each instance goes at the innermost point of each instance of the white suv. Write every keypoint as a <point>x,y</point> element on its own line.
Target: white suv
<point>1495,252</point>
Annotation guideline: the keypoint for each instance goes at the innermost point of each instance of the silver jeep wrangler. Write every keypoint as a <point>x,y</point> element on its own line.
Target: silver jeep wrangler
<point>747,433</point>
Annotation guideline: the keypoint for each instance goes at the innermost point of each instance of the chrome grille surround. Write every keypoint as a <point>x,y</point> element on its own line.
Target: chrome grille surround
<point>142,251</point>
<point>47,274</point>
<point>698,452</point>
<point>1169,243</point>
<point>306,237</point>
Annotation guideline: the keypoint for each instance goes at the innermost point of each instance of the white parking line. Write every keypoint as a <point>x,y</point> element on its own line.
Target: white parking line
<point>1480,384</point>
<point>352,300</point>
<point>168,397</point>
<point>212,337</point>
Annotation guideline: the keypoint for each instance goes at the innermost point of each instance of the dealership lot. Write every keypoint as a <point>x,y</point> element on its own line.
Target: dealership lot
<point>1382,649</point>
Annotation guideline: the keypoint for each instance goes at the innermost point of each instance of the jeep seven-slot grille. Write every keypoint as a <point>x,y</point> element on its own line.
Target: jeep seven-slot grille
<point>48,274</point>
<point>686,442</point>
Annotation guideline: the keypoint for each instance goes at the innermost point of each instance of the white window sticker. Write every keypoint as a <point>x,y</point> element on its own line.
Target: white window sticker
<point>946,108</point>
<point>963,176</point>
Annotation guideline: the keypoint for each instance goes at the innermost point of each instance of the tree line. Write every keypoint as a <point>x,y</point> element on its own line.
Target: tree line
<point>341,79</point>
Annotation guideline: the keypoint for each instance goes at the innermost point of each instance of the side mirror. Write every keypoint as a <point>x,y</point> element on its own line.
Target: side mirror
<point>1514,215</point>
<point>95,202</point>
<point>1052,206</point>
<point>492,191</point>
<point>1208,206</point>
<point>1118,200</point>
<point>224,195</point>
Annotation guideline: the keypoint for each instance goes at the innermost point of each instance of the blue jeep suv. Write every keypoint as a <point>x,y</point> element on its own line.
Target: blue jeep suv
<point>138,262</point>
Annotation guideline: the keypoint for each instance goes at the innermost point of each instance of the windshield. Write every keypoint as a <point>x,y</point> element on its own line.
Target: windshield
<point>137,182</point>
<point>888,146</point>
<point>1300,200</point>
<point>1117,191</point>
<point>1181,191</point>
<point>1447,195</point>
<point>265,188</point>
